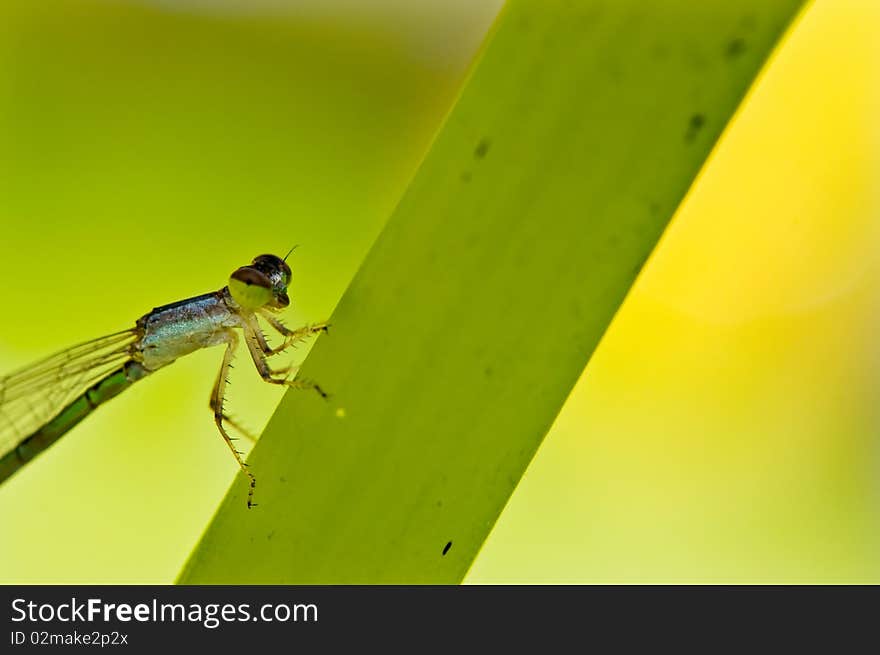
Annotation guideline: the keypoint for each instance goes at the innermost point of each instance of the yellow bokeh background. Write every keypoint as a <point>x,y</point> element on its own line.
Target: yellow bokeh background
<point>725,429</point>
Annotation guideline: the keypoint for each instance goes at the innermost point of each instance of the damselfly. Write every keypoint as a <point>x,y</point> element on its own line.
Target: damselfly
<point>42,402</point>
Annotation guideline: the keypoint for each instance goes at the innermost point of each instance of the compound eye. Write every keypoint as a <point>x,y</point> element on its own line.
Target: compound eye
<point>250,288</point>
<point>272,261</point>
<point>272,264</point>
<point>286,274</point>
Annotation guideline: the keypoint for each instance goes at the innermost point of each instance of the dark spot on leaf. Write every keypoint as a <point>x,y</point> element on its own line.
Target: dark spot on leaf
<point>482,148</point>
<point>447,547</point>
<point>654,208</point>
<point>735,47</point>
<point>695,124</point>
<point>282,479</point>
<point>466,177</point>
<point>488,371</point>
<point>270,535</point>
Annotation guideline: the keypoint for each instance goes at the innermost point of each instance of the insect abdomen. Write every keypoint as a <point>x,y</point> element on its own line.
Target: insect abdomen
<point>80,407</point>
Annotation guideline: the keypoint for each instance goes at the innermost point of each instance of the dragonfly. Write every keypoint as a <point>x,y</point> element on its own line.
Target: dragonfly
<point>42,402</point>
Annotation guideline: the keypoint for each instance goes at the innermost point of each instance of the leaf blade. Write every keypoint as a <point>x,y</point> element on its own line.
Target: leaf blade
<point>578,134</point>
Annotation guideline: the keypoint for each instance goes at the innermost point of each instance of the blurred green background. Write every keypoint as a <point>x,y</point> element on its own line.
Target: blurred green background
<point>725,429</point>
<point>146,151</point>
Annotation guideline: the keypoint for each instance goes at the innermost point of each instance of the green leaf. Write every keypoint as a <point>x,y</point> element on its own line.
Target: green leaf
<point>575,139</point>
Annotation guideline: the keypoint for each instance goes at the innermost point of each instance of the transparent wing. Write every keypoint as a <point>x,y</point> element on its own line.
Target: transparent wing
<point>32,396</point>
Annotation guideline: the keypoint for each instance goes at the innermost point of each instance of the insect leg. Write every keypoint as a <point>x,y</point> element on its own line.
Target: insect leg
<point>217,399</point>
<point>274,376</point>
<point>292,336</point>
<point>247,434</point>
